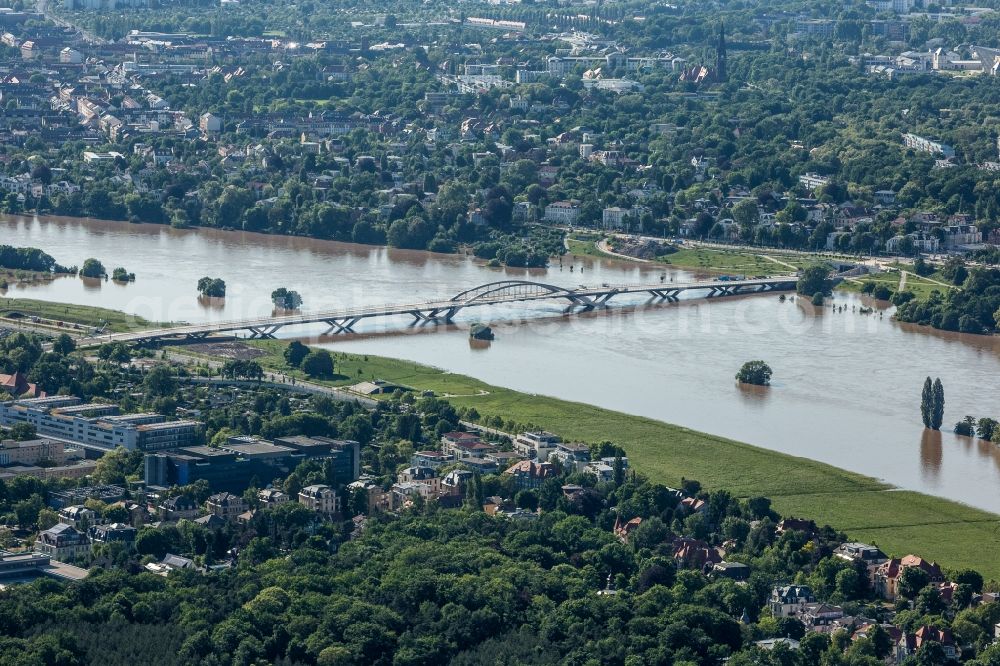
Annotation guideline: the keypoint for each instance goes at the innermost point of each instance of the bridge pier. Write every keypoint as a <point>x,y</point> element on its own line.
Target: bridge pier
<point>669,295</point>
<point>435,315</point>
<point>263,332</point>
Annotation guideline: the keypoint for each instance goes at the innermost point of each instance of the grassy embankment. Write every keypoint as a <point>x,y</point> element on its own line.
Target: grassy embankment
<point>922,287</point>
<point>709,260</point>
<point>585,245</point>
<point>867,509</point>
<point>84,315</point>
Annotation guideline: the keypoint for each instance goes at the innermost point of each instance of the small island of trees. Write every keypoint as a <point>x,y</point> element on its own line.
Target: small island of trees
<point>212,287</point>
<point>756,373</point>
<point>286,299</point>
<point>92,268</point>
<point>121,275</point>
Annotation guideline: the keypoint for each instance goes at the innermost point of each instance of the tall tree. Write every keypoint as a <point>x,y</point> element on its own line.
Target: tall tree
<point>927,402</point>
<point>937,408</point>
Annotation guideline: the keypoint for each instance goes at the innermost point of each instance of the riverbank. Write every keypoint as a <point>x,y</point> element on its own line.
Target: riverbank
<point>900,522</point>
<point>18,309</point>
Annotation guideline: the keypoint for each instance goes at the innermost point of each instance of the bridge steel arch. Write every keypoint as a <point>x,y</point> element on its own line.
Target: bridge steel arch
<point>514,290</point>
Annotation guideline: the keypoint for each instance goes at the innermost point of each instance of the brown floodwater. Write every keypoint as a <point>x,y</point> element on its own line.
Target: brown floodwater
<point>846,386</point>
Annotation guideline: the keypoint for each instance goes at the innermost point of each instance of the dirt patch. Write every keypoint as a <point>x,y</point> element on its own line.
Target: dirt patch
<point>229,349</point>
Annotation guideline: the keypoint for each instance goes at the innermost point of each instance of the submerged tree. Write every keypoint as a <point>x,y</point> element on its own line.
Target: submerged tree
<point>927,402</point>
<point>286,299</point>
<point>757,373</point>
<point>212,287</point>
<point>937,405</point>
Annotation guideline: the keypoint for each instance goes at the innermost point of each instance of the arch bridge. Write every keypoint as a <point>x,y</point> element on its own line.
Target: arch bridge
<point>581,299</point>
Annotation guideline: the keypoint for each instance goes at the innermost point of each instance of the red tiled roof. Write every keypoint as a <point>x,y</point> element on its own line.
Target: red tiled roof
<point>17,385</point>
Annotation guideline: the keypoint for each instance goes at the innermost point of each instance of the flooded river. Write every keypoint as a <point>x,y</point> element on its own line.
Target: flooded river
<point>846,386</point>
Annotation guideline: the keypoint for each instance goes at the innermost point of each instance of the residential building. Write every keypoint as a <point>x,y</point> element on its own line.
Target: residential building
<point>924,145</point>
<point>529,474</point>
<point>860,552</point>
<point>210,124</point>
<point>271,497</point>
<point>695,553</point>
<point>424,475</point>
<point>377,499</point>
<point>813,181</point>
<point>226,505</point>
<point>574,455</point>
<point>62,542</point>
<point>320,499</point>
<point>897,6</point>
<point>886,577</point>
<point>796,525</point>
<point>732,570</point>
<point>956,236</point>
<point>789,600</point>
<point>624,529</point>
<point>922,242</point>
<point>464,445</point>
<point>69,56</point>
<point>214,522</point>
<point>481,465</point>
<point>450,440</point>
<point>562,212</point>
<point>78,516</point>
<point>538,444</point>
<point>603,472</point>
<point>620,218</point>
<point>402,494</point>
<point>821,618</point>
<point>885,198</point>
<point>170,562</point>
<point>32,452</point>
<point>113,533</point>
<point>98,426</point>
<point>823,28</point>
<point>17,384</point>
<point>454,482</point>
<point>432,459</point>
<point>908,644</point>
<point>176,508</point>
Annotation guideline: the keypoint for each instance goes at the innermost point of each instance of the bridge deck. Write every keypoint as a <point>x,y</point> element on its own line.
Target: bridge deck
<point>504,292</point>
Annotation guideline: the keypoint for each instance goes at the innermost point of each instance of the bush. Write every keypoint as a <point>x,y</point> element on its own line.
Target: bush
<point>757,373</point>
